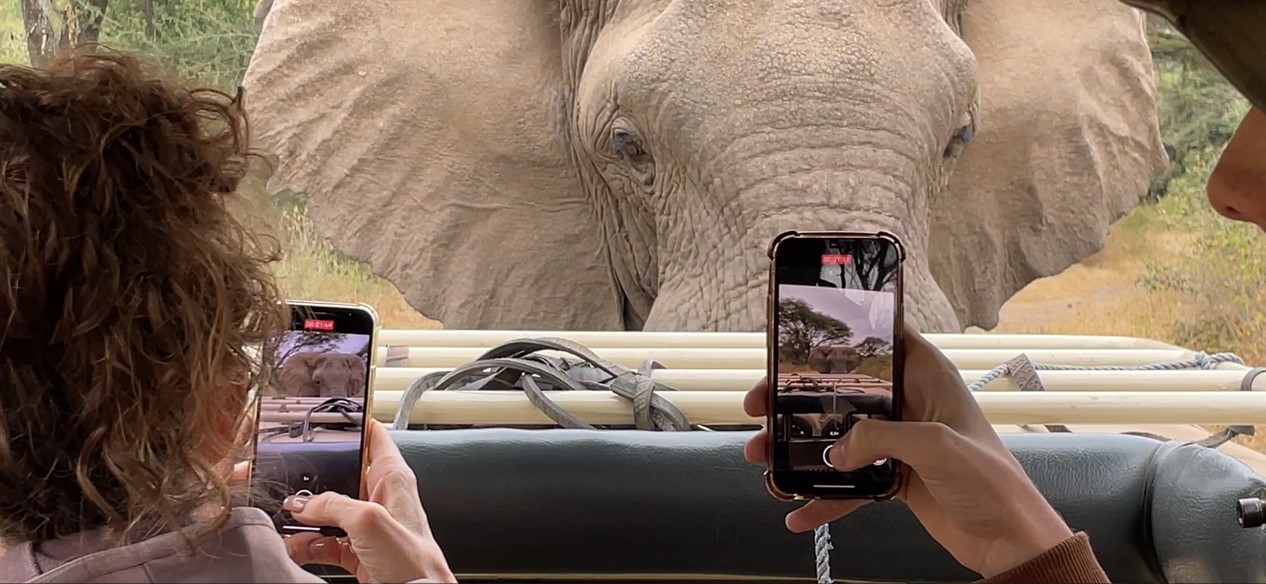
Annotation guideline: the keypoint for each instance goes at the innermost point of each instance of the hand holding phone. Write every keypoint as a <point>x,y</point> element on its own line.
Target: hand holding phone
<point>391,546</point>
<point>834,335</point>
<point>959,479</point>
<point>310,421</point>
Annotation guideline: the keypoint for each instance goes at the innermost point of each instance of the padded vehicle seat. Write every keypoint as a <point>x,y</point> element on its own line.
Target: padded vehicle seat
<point>541,502</point>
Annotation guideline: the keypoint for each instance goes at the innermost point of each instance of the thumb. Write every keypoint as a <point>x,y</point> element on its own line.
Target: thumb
<point>923,446</point>
<point>360,519</point>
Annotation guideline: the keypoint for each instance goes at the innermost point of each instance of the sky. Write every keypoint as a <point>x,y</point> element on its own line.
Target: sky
<point>350,343</point>
<point>868,313</point>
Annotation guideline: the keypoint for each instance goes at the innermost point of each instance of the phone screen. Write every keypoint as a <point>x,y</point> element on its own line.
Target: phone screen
<point>311,417</point>
<point>836,319</point>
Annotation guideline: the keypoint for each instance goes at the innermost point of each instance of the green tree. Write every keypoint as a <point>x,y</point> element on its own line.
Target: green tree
<point>210,41</point>
<point>800,328</point>
<point>873,346</point>
<point>1198,109</point>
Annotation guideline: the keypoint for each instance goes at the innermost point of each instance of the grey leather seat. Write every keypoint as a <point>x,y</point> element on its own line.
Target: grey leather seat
<point>505,501</point>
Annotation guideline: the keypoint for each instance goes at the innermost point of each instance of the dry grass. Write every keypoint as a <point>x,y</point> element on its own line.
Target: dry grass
<point>313,270</point>
<point>1101,296</point>
<point>1109,294</point>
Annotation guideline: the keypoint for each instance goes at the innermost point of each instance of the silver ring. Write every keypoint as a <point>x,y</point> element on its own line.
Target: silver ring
<point>303,493</point>
<point>826,456</point>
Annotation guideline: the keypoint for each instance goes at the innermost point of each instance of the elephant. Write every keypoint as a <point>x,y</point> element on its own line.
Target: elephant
<point>325,375</point>
<point>834,358</point>
<point>572,165</point>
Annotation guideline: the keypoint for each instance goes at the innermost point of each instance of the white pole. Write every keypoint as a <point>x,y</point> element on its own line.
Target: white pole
<point>721,380</point>
<point>635,339</point>
<point>716,358</point>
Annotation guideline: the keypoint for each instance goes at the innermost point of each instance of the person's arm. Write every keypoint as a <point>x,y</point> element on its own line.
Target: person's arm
<point>1070,562</point>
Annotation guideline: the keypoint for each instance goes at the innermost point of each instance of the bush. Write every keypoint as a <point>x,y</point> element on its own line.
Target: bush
<point>207,40</point>
<point>1214,267</point>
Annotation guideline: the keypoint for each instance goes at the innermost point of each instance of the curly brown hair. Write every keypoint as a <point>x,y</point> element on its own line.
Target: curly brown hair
<point>133,299</point>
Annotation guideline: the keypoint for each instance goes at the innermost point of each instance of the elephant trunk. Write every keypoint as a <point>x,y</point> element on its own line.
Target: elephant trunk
<point>732,294</point>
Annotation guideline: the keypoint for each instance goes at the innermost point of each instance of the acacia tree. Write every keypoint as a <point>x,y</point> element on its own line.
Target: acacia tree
<point>873,346</point>
<point>800,328</point>
<point>311,341</point>
<point>874,270</point>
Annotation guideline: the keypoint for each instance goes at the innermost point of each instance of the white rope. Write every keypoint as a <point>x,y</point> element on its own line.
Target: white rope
<point>822,553</point>
<point>1199,361</point>
<point>822,535</point>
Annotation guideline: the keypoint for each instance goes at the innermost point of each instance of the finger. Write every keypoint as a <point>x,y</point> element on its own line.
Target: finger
<point>756,402</point>
<point>923,446</point>
<point>241,473</point>
<point>756,449</point>
<point>381,449</point>
<point>331,509</point>
<point>821,512</point>
<point>314,548</point>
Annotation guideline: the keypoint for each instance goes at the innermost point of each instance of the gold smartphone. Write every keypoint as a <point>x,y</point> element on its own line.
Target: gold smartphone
<point>310,418</point>
<point>834,357</point>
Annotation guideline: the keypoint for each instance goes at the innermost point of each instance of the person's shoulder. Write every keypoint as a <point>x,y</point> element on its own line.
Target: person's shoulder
<point>246,549</point>
<point>1071,562</point>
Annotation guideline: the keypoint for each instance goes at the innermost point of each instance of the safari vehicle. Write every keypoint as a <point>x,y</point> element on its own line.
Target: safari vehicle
<point>624,463</point>
<point>557,456</point>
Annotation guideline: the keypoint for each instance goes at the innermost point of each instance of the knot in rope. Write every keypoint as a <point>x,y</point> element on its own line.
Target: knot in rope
<point>518,365</point>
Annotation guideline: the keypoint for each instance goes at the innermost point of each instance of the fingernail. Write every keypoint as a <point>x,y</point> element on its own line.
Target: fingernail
<point>296,502</point>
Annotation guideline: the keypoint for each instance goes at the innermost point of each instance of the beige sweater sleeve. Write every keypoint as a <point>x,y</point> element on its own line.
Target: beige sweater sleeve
<point>1070,562</point>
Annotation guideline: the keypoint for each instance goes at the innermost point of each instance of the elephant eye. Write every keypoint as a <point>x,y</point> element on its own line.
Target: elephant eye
<point>962,136</point>
<point>627,146</point>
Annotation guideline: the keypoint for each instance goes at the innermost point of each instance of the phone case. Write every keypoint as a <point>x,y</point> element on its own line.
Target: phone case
<point>772,340</point>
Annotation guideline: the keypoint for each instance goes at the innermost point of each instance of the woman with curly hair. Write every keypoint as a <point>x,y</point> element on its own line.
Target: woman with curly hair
<point>131,296</point>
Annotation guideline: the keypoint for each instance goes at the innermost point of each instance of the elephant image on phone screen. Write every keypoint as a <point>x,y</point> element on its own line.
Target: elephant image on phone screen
<point>834,359</point>
<point>326,374</point>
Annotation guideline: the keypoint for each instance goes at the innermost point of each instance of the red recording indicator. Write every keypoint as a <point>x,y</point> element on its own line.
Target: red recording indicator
<point>314,324</point>
<point>837,259</point>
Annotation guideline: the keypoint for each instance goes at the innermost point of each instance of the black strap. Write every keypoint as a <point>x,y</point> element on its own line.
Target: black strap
<point>517,365</point>
<point>1227,433</point>
<point>307,428</point>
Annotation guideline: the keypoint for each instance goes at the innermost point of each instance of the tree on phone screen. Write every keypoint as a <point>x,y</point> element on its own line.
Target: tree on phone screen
<point>801,328</point>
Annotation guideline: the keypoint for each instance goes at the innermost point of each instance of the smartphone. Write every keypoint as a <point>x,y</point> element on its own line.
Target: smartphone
<point>310,416</point>
<point>834,357</point>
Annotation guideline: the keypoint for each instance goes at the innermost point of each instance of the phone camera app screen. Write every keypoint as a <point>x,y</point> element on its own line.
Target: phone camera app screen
<point>314,406</point>
<point>836,301</point>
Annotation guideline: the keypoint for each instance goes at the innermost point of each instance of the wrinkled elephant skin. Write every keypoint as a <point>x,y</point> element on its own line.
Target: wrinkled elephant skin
<point>533,164</point>
<point>323,375</point>
<point>834,358</point>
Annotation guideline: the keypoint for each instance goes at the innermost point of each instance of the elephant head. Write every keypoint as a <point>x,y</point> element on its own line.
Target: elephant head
<point>323,375</point>
<point>565,164</point>
<point>834,358</point>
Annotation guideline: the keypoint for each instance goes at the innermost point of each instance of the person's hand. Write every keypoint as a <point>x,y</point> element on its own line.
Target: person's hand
<point>388,537</point>
<point>962,482</point>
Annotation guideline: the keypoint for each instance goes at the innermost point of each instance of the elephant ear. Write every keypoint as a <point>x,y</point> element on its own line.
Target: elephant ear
<point>295,372</point>
<point>1067,141</point>
<point>427,138</point>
